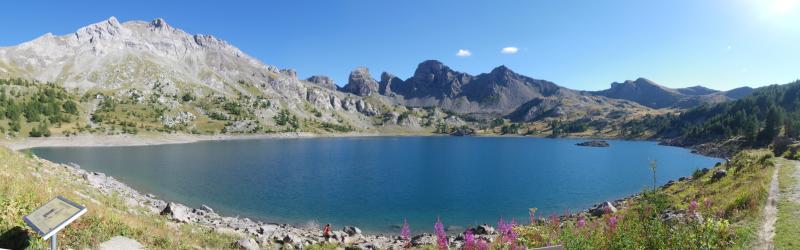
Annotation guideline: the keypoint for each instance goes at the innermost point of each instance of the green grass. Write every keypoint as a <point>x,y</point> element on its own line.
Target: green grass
<point>730,221</point>
<point>29,182</point>
<point>787,228</point>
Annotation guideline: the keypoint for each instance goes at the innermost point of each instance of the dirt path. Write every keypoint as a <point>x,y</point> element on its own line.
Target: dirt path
<point>767,230</point>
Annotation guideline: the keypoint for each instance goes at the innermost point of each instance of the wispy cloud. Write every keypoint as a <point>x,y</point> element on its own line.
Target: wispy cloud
<point>509,50</point>
<point>463,53</point>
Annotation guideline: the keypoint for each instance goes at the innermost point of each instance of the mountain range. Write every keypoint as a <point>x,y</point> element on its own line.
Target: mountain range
<point>153,63</point>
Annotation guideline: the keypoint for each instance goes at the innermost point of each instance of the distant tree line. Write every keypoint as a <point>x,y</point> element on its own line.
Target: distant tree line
<point>758,118</point>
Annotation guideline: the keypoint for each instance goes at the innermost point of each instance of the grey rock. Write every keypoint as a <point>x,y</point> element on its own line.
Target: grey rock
<point>177,212</point>
<point>289,72</point>
<point>247,244</point>
<point>206,208</point>
<point>322,81</point>
<point>351,230</point>
<point>120,243</point>
<point>719,174</point>
<point>603,208</point>
<point>484,229</point>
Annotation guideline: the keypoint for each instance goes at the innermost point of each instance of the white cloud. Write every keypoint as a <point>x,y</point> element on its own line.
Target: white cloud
<point>509,50</point>
<point>463,53</point>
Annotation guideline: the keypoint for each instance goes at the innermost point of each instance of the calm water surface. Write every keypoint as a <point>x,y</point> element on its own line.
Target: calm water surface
<point>375,182</point>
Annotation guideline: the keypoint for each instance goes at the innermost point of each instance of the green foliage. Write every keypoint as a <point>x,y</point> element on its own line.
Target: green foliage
<point>187,97</point>
<point>38,103</point>
<point>284,118</point>
<point>757,118</point>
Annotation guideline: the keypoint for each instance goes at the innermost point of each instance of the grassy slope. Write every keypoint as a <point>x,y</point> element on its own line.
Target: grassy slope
<point>28,182</point>
<point>787,229</point>
<point>736,199</point>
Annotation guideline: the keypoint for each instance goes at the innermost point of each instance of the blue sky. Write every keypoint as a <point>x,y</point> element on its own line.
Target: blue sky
<point>578,44</point>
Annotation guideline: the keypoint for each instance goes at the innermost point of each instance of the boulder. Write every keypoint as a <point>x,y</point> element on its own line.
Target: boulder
<point>484,229</point>
<point>246,243</point>
<point>267,229</point>
<point>603,208</point>
<point>351,230</point>
<point>206,208</point>
<point>719,174</point>
<point>177,212</point>
<point>120,243</point>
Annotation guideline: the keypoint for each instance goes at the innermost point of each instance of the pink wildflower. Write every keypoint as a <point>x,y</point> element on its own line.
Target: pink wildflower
<point>405,232</point>
<point>692,206</point>
<point>581,222</point>
<point>469,241</point>
<point>441,236</point>
<point>612,223</point>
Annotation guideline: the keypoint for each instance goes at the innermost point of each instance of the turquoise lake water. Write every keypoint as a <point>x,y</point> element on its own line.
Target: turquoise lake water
<point>376,182</point>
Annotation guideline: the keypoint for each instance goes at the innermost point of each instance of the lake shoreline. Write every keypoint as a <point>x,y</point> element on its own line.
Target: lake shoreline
<point>239,225</point>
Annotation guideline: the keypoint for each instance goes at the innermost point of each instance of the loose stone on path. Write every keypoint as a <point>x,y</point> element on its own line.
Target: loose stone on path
<point>120,243</point>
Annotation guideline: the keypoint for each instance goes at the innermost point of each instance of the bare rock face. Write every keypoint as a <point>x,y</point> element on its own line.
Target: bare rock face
<point>387,81</point>
<point>361,82</point>
<point>322,81</point>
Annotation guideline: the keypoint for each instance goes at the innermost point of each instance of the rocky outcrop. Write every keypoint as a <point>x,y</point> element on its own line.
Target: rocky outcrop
<point>594,143</point>
<point>361,82</point>
<point>387,81</point>
<point>322,81</point>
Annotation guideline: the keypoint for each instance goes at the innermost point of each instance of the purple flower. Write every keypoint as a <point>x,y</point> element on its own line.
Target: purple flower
<point>404,232</point>
<point>482,245</point>
<point>581,222</point>
<point>506,230</point>
<point>469,241</point>
<point>441,236</point>
<point>612,222</point>
<point>692,206</point>
<point>707,202</point>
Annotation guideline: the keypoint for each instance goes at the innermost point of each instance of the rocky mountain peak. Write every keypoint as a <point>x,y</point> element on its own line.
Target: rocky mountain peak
<point>429,69</point>
<point>103,30</point>
<point>360,82</point>
<point>159,23</point>
<point>388,81</point>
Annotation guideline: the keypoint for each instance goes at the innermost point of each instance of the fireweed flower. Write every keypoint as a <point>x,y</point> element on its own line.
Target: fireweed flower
<point>469,241</point>
<point>441,236</point>
<point>581,222</point>
<point>482,245</point>
<point>692,206</point>
<point>612,223</point>
<point>405,231</point>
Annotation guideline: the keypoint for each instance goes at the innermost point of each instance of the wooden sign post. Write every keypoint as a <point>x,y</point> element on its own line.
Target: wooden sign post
<point>53,216</point>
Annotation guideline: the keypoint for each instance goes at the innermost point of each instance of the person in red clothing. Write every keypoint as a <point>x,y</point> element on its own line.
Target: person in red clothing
<point>326,231</point>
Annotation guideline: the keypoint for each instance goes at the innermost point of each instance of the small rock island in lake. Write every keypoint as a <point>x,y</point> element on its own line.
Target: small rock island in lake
<point>594,143</point>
